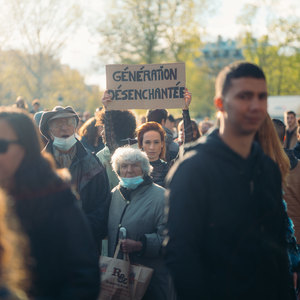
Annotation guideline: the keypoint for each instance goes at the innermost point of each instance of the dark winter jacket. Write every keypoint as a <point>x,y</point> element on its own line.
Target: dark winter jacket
<point>91,183</point>
<point>84,141</point>
<point>159,172</point>
<point>297,150</point>
<point>172,148</point>
<point>227,225</point>
<point>65,259</point>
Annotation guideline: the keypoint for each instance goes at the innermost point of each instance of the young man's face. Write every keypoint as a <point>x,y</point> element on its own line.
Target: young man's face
<point>245,105</point>
<point>291,121</point>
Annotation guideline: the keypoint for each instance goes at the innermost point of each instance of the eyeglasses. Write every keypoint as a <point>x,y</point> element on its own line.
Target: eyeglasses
<point>4,144</point>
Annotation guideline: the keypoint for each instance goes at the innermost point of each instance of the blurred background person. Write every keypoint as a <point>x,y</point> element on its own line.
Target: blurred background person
<point>138,204</point>
<point>297,146</point>
<point>21,103</point>
<point>291,129</point>
<point>36,106</point>
<point>90,135</point>
<point>270,143</point>
<point>151,139</point>
<point>204,126</point>
<point>61,244</point>
<point>292,187</point>
<point>181,132</point>
<point>170,124</point>
<point>118,130</point>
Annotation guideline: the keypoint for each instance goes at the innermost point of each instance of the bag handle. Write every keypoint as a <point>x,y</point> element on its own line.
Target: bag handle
<point>118,248</point>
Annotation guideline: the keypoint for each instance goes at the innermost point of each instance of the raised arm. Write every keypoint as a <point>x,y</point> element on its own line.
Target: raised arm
<point>187,124</point>
<point>108,124</point>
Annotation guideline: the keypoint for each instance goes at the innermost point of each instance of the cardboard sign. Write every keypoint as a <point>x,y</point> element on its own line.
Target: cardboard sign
<point>146,86</point>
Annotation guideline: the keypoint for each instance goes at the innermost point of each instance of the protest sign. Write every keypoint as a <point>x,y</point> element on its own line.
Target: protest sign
<point>146,86</point>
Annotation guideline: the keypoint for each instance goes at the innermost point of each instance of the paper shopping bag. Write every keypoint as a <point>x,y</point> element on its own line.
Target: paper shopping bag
<point>122,281</point>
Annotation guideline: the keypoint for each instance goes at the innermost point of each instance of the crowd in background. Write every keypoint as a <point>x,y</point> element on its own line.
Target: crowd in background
<point>70,182</point>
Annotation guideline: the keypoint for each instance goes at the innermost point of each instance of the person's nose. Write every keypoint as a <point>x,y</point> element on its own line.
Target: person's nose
<point>129,169</point>
<point>256,103</point>
<point>151,146</point>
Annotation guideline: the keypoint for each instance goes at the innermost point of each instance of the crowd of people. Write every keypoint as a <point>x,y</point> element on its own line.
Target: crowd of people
<point>213,208</point>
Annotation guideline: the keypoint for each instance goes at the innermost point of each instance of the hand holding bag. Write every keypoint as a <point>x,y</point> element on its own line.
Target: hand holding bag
<point>121,280</point>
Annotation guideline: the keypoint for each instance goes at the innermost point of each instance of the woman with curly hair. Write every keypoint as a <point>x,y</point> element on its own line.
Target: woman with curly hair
<point>90,135</point>
<point>151,139</point>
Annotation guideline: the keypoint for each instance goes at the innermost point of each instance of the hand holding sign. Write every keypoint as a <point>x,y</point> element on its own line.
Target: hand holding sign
<point>106,99</point>
<point>187,99</point>
<point>146,86</point>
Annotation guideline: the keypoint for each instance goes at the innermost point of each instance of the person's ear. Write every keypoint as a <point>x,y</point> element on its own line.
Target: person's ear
<point>219,104</point>
<point>163,123</point>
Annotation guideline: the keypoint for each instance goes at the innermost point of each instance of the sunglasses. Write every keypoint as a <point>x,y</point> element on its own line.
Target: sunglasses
<point>4,144</point>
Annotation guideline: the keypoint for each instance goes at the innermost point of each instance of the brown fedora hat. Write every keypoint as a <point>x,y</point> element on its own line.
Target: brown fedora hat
<point>56,113</point>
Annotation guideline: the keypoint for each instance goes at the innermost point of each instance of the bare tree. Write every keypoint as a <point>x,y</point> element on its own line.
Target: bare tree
<point>40,29</point>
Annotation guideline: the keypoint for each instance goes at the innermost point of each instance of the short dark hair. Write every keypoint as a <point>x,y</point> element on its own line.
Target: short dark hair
<point>280,128</point>
<point>124,124</point>
<point>89,130</point>
<point>234,71</point>
<point>171,118</point>
<point>290,112</point>
<point>36,102</point>
<point>157,115</point>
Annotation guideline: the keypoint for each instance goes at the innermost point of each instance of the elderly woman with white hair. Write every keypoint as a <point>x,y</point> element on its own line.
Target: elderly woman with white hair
<point>138,205</point>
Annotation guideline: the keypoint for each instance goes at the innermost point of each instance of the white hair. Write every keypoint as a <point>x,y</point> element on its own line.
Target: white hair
<point>129,154</point>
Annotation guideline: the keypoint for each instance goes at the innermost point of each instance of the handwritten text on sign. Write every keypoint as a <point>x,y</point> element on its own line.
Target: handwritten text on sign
<point>146,86</point>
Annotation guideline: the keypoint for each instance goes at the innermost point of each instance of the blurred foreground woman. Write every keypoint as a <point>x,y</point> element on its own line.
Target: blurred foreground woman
<point>65,262</point>
<point>13,275</point>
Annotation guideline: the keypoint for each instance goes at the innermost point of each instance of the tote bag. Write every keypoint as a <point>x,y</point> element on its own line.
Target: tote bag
<point>121,280</point>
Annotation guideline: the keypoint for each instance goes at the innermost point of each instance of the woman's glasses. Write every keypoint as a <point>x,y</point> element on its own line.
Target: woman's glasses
<point>4,144</point>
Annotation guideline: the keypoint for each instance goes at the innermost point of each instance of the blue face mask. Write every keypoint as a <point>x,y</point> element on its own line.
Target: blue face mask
<point>64,144</point>
<point>132,182</point>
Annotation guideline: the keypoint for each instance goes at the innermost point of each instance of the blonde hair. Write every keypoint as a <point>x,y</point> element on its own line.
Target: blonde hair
<point>271,145</point>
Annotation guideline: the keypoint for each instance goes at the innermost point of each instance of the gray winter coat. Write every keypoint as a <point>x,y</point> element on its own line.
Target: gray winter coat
<point>144,219</point>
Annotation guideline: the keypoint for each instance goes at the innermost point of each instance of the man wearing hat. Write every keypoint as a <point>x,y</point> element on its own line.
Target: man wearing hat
<point>88,175</point>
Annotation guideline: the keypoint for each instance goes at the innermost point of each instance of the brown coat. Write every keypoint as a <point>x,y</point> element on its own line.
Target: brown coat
<point>292,198</point>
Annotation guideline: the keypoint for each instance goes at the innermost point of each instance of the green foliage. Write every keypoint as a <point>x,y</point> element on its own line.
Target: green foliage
<point>58,81</point>
<point>150,31</point>
<point>281,63</point>
<point>158,31</point>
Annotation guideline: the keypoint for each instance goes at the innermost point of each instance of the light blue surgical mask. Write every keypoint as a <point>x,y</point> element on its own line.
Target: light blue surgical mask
<point>131,182</point>
<point>64,144</point>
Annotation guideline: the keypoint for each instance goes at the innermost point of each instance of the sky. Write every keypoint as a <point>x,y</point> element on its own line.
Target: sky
<point>81,50</point>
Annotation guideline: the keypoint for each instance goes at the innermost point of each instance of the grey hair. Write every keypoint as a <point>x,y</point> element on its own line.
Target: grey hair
<point>129,154</point>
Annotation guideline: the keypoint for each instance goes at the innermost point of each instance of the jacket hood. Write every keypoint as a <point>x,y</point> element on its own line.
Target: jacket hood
<point>214,145</point>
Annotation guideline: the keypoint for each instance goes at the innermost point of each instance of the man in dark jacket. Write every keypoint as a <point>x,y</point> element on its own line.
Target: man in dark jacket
<point>227,222</point>
<point>88,175</point>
